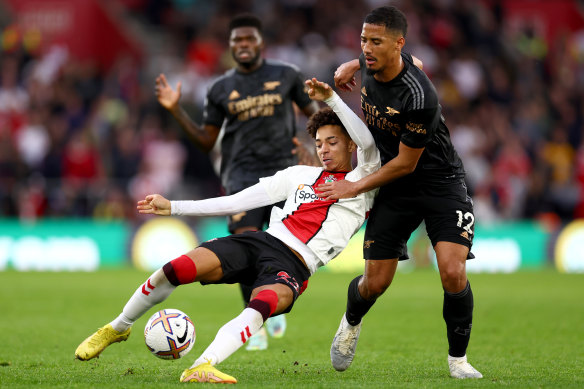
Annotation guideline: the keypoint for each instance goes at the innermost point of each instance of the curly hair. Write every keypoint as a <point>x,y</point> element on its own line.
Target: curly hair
<point>324,116</point>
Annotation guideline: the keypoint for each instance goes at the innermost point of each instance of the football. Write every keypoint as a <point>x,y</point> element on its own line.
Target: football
<point>169,334</point>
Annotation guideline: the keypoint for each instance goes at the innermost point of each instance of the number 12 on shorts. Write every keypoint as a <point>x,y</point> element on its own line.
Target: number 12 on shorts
<point>466,217</point>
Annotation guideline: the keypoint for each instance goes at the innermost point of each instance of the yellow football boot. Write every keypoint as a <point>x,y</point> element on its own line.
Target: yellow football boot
<point>206,373</point>
<point>96,343</point>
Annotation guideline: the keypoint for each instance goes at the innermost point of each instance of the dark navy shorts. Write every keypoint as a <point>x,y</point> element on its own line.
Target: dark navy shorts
<point>446,209</point>
<point>256,258</point>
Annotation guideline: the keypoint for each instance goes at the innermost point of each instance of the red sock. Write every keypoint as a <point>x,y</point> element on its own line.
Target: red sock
<point>181,270</point>
<point>265,302</point>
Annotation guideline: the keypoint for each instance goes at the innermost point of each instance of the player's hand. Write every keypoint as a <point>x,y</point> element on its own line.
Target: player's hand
<point>318,90</point>
<point>305,156</point>
<point>154,204</point>
<point>345,75</point>
<point>342,189</point>
<point>167,97</point>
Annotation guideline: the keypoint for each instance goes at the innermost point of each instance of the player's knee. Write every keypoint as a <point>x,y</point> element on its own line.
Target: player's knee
<point>373,287</point>
<point>453,278</point>
<point>180,271</point>
<point>265,302</point>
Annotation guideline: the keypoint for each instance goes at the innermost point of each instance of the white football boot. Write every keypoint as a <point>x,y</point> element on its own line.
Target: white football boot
<point>460,368</point>
<point>344,345</point>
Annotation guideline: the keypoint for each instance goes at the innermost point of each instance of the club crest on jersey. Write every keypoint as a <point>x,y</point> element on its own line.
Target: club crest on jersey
<point>390,111</point>
<point>271,85</point>
<point>234,95</point>
<point>330,178</point>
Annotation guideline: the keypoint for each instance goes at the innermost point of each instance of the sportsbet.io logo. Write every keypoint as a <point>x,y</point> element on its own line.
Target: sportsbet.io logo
<point>305,194</point>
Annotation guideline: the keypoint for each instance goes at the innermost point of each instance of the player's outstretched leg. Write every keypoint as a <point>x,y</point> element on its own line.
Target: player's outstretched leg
<point>230,338</point>
<point>98,341</point>
<point>260,340</point>
<point>344,345</point>
<point>205,372</point>
<point>156,289</point>
<point>460,368</point>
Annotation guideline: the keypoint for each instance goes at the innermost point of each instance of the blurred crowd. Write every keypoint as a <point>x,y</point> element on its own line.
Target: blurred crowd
<point>80,140</point>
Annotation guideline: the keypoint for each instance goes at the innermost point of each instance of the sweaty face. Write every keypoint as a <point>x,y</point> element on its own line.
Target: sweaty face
<point>246,45</point>
<point>334,148</point>
<point>381,48</point>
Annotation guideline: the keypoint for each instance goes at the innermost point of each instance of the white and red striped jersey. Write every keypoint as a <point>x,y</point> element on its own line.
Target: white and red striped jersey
<point>317,229</point>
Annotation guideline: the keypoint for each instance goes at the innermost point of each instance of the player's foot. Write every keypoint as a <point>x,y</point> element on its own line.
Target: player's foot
<point>276,326</point>
<point>460,368</point>
<point>344,345</point>
<point>206,373</point>
<point>259,341</point>
<point>96,343</point>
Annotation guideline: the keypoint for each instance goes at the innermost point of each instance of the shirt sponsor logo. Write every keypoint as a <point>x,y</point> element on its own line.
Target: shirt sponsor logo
<point>417,128</point>
<point>363,91</point>
<point>305,194</point>
<point>255,106</point>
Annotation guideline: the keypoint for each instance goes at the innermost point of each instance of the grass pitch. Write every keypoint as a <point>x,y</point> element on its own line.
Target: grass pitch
<point>528,333</point>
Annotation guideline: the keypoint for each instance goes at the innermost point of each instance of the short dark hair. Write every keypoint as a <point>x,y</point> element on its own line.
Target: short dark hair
<point>390,17</point>
<point>245,20</point>
<point>322,117</point>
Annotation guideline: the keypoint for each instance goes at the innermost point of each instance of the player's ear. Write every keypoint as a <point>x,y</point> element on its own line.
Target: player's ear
<point>400,43</point>
<point>352,146</point>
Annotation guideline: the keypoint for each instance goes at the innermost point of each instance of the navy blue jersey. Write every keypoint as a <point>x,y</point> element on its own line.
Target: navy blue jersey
<point>255,109</point>
<point>406,109</point>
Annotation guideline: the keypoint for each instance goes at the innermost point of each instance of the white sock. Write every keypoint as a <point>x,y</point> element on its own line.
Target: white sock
<point>231,337</point>
<point>155,290</point>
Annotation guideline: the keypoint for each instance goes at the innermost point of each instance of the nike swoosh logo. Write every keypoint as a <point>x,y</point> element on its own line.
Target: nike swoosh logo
<point>181,339</point>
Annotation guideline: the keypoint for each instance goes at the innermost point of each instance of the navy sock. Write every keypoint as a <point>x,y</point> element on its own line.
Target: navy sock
<point>357,306</point>
<point>457,313</point>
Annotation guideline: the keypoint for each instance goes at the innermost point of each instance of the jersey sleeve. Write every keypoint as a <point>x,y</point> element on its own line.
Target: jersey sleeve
<point>278,185</point>
<point>251,198</point>
<point>213,113</point>
<point>298,90</point>
<point>367,152</point>
<point>420,127</point>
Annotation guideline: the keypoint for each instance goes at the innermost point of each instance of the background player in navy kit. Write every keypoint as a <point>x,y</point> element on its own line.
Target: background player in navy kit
<point>253,101</point>
<point>422,178</point>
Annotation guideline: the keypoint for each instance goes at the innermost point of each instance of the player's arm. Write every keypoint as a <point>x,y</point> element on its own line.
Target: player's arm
<point>404,163</point>
<point>345,73</point>
<point>204,136</point>
<point>253,197</point>
<point>357,130</point>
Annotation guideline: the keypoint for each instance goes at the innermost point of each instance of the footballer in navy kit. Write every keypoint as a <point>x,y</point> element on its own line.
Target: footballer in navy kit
<point>422,179</point>
<point>252,104</point>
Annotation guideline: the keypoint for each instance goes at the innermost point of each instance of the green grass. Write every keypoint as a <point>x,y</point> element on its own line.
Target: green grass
<point>528,333</point>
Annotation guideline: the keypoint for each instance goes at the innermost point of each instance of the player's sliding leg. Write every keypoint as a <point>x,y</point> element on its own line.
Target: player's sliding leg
<point>236,332</point>
<point>260,340</point>
<point>156,289</point>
